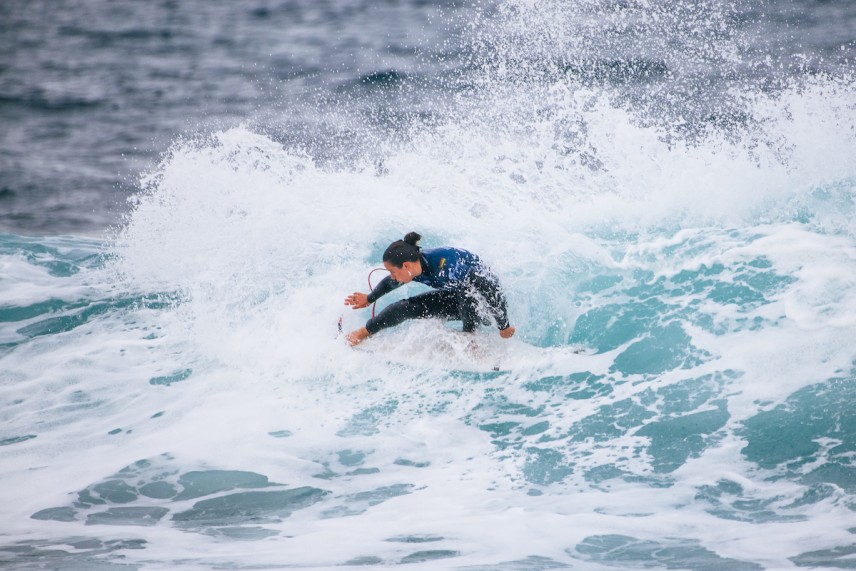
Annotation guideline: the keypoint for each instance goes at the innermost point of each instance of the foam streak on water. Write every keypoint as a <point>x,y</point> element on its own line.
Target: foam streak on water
<point>679,394</point>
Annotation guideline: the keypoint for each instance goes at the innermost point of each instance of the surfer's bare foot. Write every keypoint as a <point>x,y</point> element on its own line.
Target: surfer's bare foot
<point>357,336</point>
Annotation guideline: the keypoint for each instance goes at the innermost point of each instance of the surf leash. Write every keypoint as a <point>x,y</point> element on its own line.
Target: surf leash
<point>371,287</point>
<point>374,305</point>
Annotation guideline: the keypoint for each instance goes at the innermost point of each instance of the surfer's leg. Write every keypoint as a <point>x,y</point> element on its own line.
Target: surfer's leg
<point>437,303</point>
<point>469,309</point>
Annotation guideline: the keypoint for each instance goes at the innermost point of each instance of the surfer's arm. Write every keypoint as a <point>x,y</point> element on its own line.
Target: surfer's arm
<point>506,331</point>
<point>385,286</point>
<point>359,300</point>
<point>492,292</point>
<point>500,312</point>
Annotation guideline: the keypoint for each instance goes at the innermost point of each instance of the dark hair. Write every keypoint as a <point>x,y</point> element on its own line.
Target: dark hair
<point>401,251</point>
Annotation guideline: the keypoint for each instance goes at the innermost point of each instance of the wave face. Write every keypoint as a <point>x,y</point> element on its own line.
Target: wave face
<point>670,209</point>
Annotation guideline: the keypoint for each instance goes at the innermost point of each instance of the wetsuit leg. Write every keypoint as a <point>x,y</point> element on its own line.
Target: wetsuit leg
<point>469,309</point>
<point>437,303</point>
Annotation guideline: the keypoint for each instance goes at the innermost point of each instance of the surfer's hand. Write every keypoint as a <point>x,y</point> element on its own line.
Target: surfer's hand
<point>357,300</point>
<point>507,332</point>
<point>357,336</point>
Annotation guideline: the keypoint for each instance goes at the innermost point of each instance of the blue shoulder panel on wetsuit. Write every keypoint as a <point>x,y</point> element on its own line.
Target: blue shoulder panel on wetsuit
<point>446,267</point>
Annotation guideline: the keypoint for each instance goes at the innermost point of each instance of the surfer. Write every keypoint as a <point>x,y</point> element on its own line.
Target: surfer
<point>465,289</point>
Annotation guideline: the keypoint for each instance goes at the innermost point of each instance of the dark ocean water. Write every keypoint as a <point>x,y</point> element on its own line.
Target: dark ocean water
<point>667,191</point>
<point>92,93</point>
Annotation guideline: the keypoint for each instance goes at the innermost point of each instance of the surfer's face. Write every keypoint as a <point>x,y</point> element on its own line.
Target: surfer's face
<point>405,273</point>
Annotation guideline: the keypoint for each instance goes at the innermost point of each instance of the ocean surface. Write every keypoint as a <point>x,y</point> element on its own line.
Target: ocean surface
<point>667,191</point>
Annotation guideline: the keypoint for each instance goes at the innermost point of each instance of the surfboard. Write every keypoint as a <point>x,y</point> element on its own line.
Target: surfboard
<point>433,344</point>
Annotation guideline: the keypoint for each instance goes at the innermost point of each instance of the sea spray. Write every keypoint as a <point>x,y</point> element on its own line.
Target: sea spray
<point>678,394</point>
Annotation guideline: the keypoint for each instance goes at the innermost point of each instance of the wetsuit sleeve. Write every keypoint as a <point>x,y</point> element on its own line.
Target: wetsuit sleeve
<point>500,309</point>
<point>385,286</point>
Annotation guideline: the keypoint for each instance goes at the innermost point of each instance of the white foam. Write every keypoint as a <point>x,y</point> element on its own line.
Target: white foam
<point>259,245</point>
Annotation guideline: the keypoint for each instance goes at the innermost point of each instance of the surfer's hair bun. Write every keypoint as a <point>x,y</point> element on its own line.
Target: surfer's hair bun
<point>401,251</point>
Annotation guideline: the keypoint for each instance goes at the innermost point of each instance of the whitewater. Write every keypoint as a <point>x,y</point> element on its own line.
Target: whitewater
<point>679,394</point>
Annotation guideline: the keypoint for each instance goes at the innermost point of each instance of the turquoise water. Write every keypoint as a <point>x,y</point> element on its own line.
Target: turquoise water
<point>688,408</point>
<point>671,214</point>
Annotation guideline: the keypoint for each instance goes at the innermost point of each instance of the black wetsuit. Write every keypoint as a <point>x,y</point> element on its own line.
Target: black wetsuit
<point>466,290</point>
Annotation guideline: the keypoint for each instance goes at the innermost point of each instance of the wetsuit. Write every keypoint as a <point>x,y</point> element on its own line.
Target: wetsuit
<point>465,290</point>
